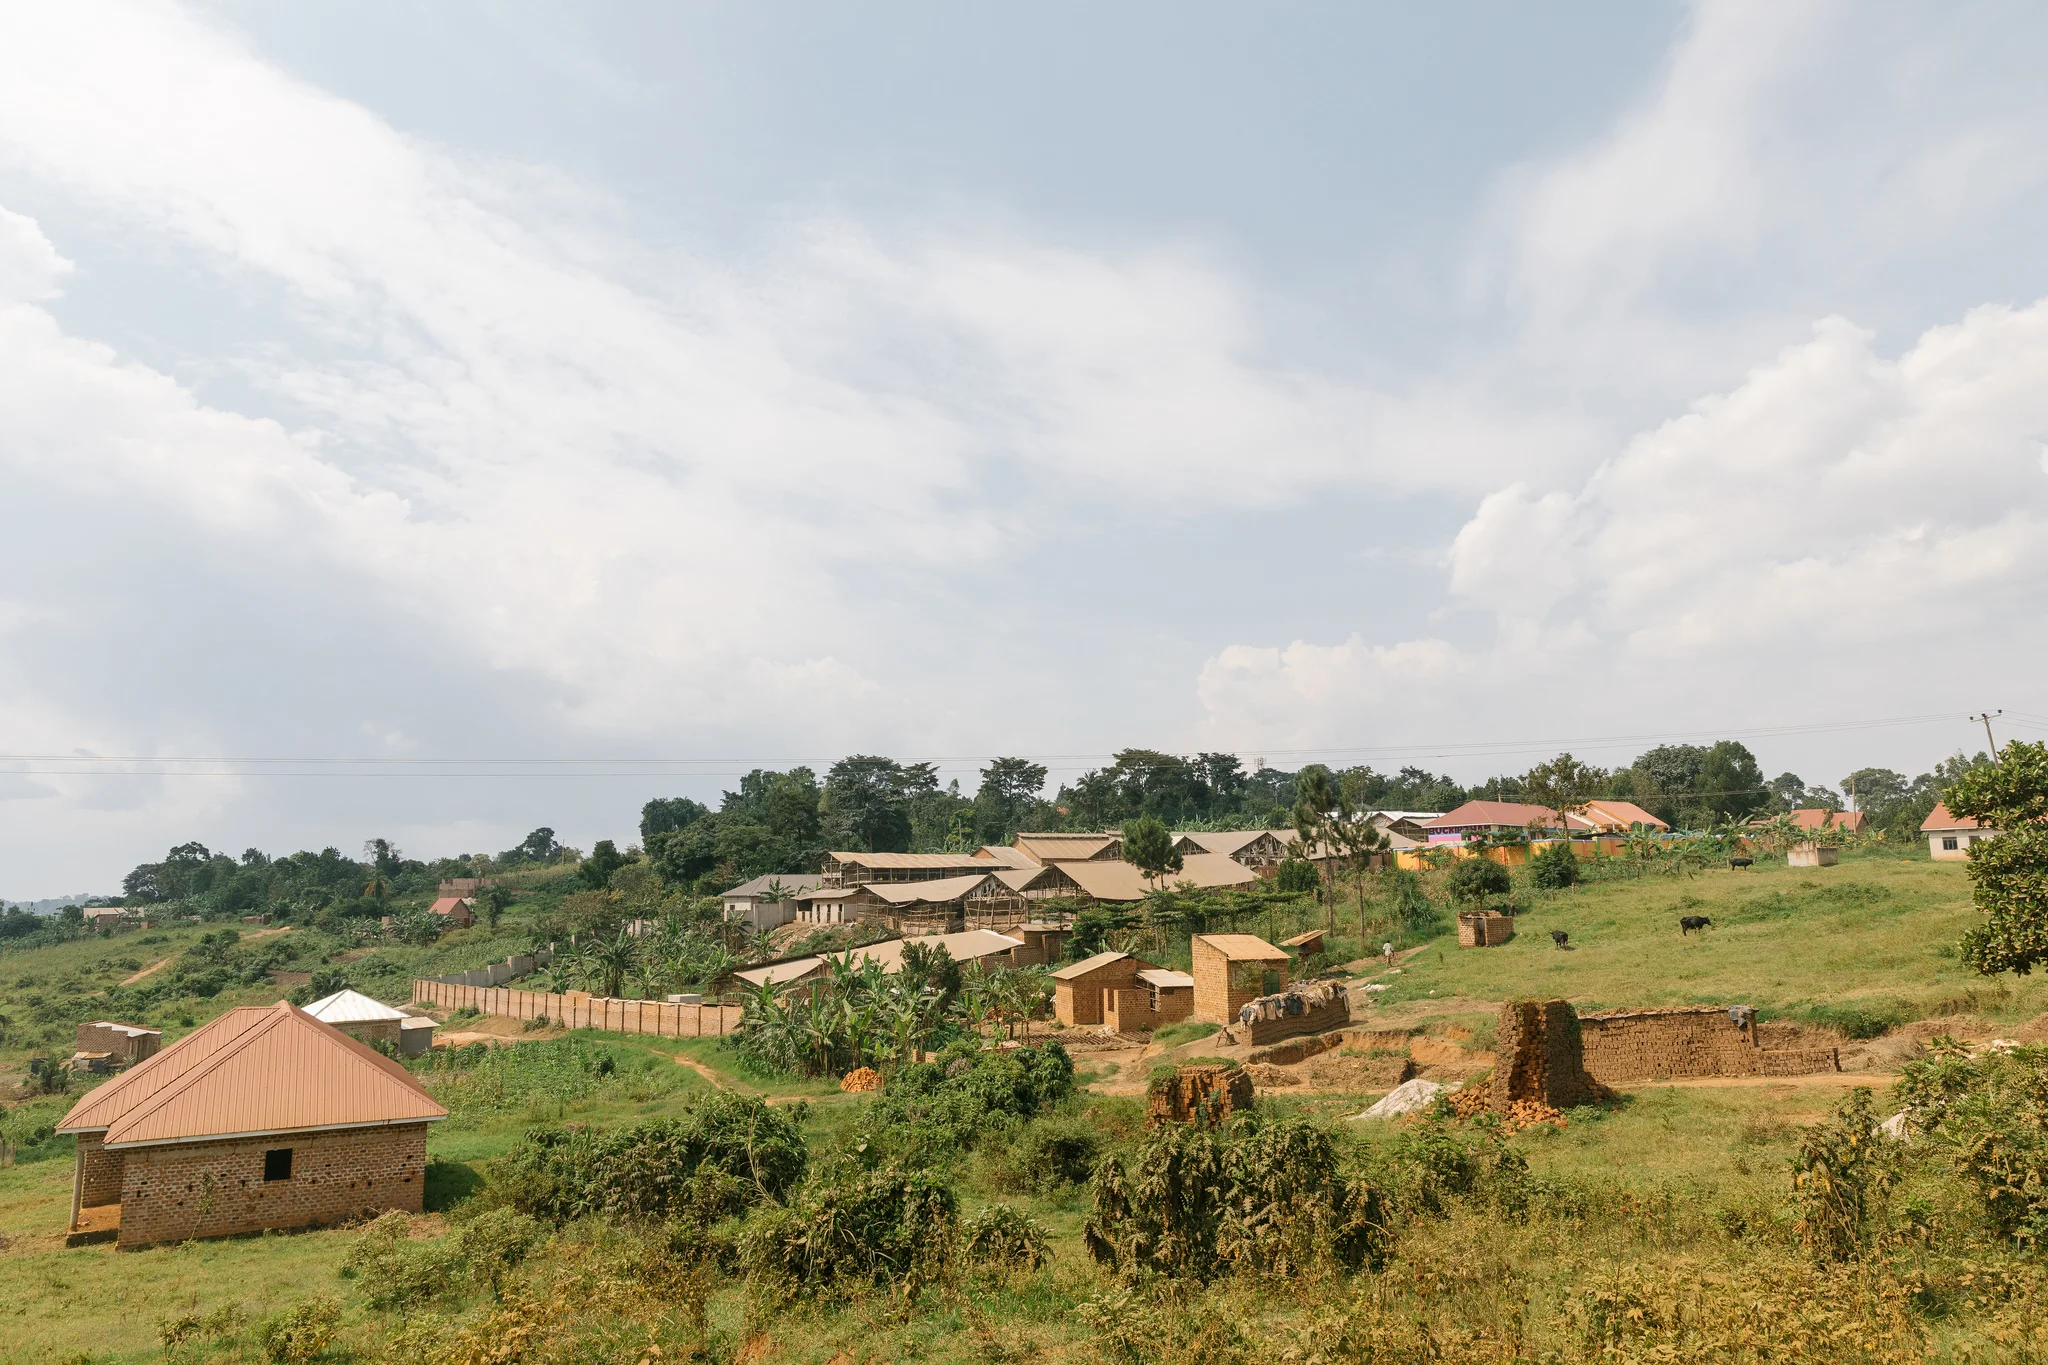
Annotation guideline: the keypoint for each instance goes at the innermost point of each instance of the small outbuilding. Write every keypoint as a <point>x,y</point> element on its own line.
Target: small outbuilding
<point>261,1118</point>
<point>454,912</point>
<point>360,1017</point>
<point>119,1044</point>
<point>767,902</point>
<point>1231,970</point>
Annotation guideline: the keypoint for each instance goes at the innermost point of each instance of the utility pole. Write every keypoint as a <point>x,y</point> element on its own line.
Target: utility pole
<point>1986,718</point>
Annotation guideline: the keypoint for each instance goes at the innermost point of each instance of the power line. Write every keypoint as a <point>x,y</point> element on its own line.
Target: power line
<point>646,766</point>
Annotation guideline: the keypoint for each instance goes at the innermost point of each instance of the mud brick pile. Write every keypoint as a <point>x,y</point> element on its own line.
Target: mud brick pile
<point>1484,928</point>
<point>1198,1094</point>
<point>1538,1056</point>
<point>1693,1040</point>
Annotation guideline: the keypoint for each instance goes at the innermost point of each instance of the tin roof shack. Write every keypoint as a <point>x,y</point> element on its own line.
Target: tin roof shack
<point>360,1017</point>
<point>262,1118</point>
<point>118,1045</point>
<point>1949,836</point>
<point>1043,942</point>
<point>767,902</point>
<point>1078,988</point>
<point>416,1036</point>
<point>1231,971</point>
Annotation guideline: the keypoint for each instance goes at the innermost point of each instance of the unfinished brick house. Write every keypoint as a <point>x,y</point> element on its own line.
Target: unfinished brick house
<point>1078,989</point>
<point>263,1118</point>
<point>1231,970</point>
<point>107,1046</point>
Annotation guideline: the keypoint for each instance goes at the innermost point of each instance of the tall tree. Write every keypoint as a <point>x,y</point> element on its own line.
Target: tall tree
<point>1316,802</point>
<point>2010,872</point>
<point>1730,782</point>
<point>666,814</point>
<point>1148,846</point>
<point>1564,785</point>
<point>864,803</point>
<point>1008,792</point>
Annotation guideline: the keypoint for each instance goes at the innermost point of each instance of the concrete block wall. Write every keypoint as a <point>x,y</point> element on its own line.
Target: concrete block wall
<point>214,1189</point>
<point>580,1010</point>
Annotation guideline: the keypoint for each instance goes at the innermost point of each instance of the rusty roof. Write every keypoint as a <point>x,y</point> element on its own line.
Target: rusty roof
<point>254,1071</point>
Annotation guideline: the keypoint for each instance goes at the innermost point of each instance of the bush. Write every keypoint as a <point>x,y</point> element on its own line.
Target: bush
<point>931,1109</point>
<point>1001,1236</point>
<point>397,1271</point>
<point>1475,879</point>
<point>1297,876</point>
<point>493,1242</point>
<point>1253,1198</point>
<point>728,1153</point>
<point>868,1228</point>
<point>300,1334</point>
<point>1555,868</point>
<point>1052,1152</point>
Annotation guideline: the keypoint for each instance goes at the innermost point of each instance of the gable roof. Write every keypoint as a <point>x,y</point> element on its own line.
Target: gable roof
<point>935,892</point>
<point>1229,842</point>
<point>1122,881</point>
<point>1243,947</point>
<point>776,973</point>
<point>966,862</point>
<point>448,905</point>
<point>1074,971</point>
<point>1504,814</point>
<point>1034,874</point>
<point>1622,813</point>
<point>963,947</point>
<point>349,1007</point>
<point>1006,856</point>
<point>1165,978</point>
<point>1065,847</point>
<point>792,882</point>
<point>253,1071</point>
<point>1939,819</point>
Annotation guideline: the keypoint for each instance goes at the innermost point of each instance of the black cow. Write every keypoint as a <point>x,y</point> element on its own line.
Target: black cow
<point>1559,937</point>
<point>1741,862</point>
<point>1689,923</point>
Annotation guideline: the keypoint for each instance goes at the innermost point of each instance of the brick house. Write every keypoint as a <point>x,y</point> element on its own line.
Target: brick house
<point>455,912</point>
<point>263,1118</point>
<point>1078,989</point>
<point>1232,970</point>
<point>360,1017</point>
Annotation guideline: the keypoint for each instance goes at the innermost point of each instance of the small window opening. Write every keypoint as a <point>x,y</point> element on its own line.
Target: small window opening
<point>277,1164</point>
<point>1948,841</point>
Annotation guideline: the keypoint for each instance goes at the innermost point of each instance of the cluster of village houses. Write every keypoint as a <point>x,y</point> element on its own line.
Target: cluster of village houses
<point>274,1117</point>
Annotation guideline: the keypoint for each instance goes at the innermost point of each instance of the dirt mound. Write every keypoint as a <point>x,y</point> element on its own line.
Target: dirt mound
<point>861,1080</point>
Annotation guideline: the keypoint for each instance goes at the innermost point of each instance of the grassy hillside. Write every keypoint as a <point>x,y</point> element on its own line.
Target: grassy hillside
<point>1864,945</point>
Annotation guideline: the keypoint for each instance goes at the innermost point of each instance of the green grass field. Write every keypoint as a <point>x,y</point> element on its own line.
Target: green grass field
<point>1869,942</point>
<point>1870,939</point>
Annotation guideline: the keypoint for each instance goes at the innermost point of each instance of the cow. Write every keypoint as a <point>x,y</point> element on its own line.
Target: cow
<point>1689,923</point>
<point>1741,862</point>
<point>1559,937</point>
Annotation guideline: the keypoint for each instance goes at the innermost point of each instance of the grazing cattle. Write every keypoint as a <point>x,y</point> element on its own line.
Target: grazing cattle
<point>1689,923</point>
<point>1559,937</point>
<point>1740,862</point>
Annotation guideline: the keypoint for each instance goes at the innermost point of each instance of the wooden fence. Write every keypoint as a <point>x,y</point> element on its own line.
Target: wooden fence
<point>656,1017</point>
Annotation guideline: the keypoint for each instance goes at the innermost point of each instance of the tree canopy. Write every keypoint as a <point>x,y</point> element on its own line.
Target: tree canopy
<point>2009,872</point>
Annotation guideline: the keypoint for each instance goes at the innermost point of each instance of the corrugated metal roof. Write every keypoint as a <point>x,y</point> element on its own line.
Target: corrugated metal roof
<point>937,891</point>
<point>1165,978</point>
<point>1087,965</point>
<point>448,905</point>
<point>1005,855</point>
<point>963,947</point>
<point>1047,848</point>
<point>1122,881</point>
<point>778,972</point>
<point>963,861</point>
<point>1939,819</point>
<point>1243,947</point>
<point>792,882</point>
<point>1228,842</point>
<point>275,1070</point>
<point>350,1007</point>
<point>1504,815</point>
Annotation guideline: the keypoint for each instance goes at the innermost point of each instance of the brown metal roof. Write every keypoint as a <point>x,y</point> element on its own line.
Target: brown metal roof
<point>966,862</point>
<point>1122,881</point>
<point>935,892</point>
<point>274,1070</point>
<point>1076,970</point>
<point>1243,947</point>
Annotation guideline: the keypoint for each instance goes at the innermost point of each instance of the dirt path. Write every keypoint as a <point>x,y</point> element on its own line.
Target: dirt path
<point>1819,1079</point>
<point>717,1081</point>
<point>151,970</point>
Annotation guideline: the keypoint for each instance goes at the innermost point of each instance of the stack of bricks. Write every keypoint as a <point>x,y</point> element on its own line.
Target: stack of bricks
<point>1198,1094</point>
<point>211,1189</point>
<point>1539,1056</point>
<point>1693,1040</point>
<point>1484,928</point>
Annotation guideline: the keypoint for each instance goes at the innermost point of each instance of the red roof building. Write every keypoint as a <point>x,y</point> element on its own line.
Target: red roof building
<point>1476,816</point>
<point>1949,836</point>
<point>1851,820</point>
<point>262,1118</point>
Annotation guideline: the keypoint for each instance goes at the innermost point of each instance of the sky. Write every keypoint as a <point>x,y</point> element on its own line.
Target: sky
<point>433,422</point>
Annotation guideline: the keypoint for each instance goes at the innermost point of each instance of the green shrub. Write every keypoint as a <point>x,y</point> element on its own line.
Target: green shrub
<point>493,1242</point>
<point>300,1334</point>
<point>1297,876</point>
<point>726,1154</point>
<point>931,1109</point>
<point>396,1270</point>
<point>1840,1174</point>
<point>1000,1236</point>
<point>1253,1198</point>
<point>1555,868</point>
<point>867,1228</point>
<point>1053,1151</point>
<point>1186,1031</point>
<point>222,1324</point>
<point>1476,879</point>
